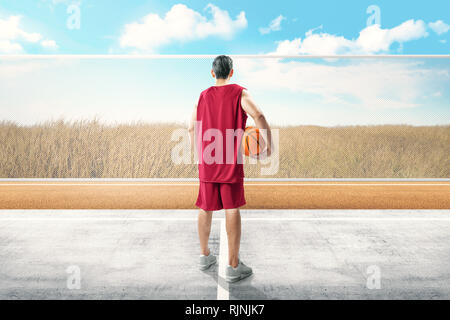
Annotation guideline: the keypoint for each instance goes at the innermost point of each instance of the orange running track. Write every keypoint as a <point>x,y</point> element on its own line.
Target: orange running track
<point>259,195</point>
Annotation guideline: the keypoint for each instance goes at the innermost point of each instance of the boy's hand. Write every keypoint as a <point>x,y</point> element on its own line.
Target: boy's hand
<point>252,109</point>
<point>262,155</point>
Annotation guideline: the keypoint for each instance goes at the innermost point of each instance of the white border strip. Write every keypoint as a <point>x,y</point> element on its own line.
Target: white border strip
<point>212,56</point>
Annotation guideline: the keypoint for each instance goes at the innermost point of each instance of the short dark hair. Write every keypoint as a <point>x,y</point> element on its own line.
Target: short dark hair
<point>222,66</point>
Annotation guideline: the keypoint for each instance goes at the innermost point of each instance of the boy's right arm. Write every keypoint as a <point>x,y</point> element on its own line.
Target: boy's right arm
<point>252,109</point>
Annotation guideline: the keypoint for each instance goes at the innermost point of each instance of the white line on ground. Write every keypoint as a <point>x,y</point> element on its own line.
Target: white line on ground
<point>162,180</point>
<point>220,219</point>
<point>196,184</point>
<point>346,219</point>
<point>223,288</point>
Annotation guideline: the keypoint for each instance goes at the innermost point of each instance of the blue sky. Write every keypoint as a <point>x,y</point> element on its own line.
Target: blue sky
<point>321,92</point>
<point>103,23</point>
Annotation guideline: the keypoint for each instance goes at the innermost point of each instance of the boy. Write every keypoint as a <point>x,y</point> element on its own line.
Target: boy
<point>221,108</point>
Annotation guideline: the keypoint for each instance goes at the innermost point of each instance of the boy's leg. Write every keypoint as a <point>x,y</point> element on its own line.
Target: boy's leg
<point>204,229</point>
<point>233,226</point>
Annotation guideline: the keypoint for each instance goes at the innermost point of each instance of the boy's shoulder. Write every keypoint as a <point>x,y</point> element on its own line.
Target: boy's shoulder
<point>233,86</point>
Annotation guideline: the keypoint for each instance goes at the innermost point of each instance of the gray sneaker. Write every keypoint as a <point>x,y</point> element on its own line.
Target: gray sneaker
<point>206,261</point>
<point>238,273</point>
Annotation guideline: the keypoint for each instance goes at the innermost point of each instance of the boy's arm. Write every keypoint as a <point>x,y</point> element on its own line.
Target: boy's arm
<point>192,128</point>
<point>252,109</point>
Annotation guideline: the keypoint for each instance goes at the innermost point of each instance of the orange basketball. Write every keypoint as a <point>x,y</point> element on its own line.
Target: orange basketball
<point>252,142</point>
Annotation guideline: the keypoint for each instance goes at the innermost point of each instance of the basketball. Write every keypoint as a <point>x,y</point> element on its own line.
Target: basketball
<point>252,142</point>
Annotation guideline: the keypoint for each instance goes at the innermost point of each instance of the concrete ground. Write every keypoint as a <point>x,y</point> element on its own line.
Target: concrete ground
<point>295,254</point>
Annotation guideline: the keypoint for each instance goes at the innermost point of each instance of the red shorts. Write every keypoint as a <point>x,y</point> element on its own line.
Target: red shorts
<point>216,196</point>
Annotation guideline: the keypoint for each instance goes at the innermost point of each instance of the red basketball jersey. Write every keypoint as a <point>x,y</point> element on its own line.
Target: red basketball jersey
<point>220,126</point>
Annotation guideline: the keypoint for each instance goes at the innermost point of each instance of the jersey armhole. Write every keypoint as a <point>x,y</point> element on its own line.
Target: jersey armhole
<point>240,100</point>
<point>198,103</point>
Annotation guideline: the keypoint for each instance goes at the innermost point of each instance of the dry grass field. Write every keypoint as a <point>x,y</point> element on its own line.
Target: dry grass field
<point>90,149</point>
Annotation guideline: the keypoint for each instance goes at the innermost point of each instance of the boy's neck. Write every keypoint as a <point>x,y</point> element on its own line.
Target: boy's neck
<point>221,82</point>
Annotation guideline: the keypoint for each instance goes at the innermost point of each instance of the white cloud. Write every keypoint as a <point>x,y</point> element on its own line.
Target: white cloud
<point>310,32</point>
<point>10,30</point>
<point>180,24</point>
<point>7,46</point>
<point>373,39</point>
<point>440,27</point>
<point>437,94</point>
<point>62,1</point>
<point>332,93</point>
<point>274,25</point>
<point>11,70</point>
<point>12,36</point>
<point>23,68</point>
<point>368,84</point>
<point>56,2</point>
<point>49,44</point>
